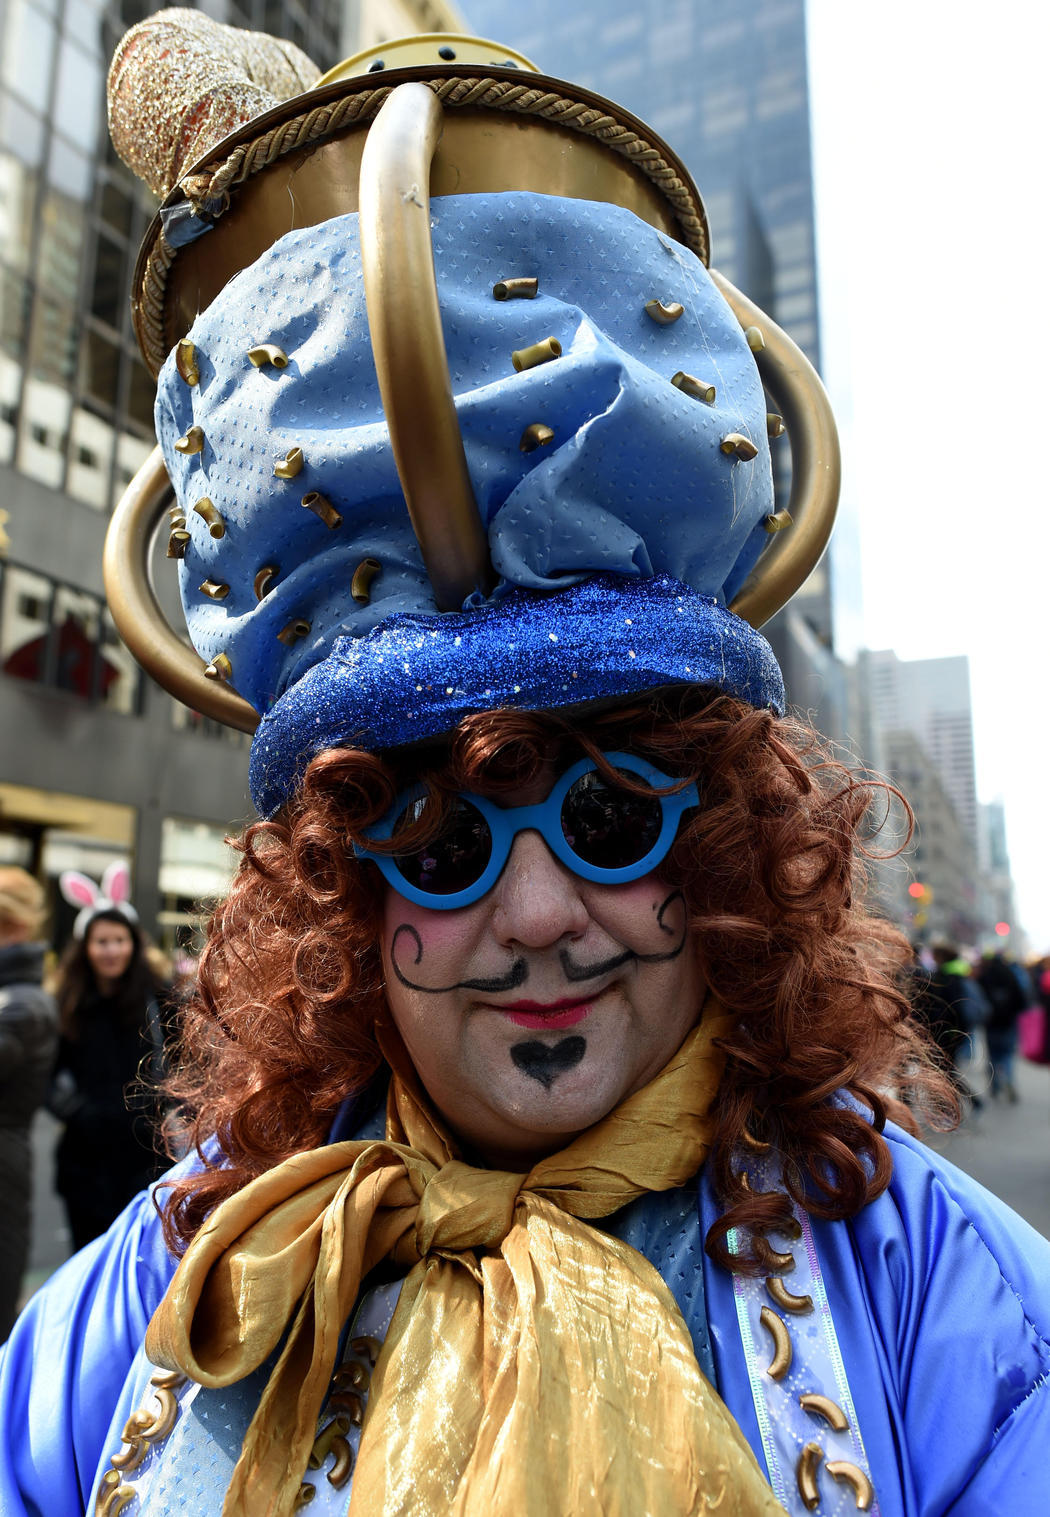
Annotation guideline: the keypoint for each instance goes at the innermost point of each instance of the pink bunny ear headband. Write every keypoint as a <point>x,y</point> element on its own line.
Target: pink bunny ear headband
<point>112,895</point>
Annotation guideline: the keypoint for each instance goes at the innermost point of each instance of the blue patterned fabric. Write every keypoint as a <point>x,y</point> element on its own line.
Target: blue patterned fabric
<point>634,483</point>
<point>941,1298</point>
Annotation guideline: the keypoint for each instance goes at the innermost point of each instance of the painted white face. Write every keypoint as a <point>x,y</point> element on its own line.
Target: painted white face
<point>530,1014</point>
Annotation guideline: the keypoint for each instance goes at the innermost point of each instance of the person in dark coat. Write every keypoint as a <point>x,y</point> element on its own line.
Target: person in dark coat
<point>952,1005</point>
<point>28,1033</point>
<point>111,1035</point>
<point>1007,1000</point>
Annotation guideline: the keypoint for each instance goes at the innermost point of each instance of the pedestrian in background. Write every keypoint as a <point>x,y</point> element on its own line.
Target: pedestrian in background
<point>28,1034</point>
<point>1034,1025</point>
<point>1002,987</point>
<point>958,1007</point>
<point>111,1053</point>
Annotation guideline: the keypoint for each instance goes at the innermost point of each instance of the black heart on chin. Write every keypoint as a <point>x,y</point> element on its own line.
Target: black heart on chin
<point>545,1064</point>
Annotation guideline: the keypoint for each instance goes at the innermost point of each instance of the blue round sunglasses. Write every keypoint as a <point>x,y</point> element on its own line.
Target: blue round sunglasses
<point>598,831</point>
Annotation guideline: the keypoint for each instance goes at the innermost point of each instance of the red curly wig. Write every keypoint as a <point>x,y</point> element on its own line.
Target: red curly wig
<point>771,866</point>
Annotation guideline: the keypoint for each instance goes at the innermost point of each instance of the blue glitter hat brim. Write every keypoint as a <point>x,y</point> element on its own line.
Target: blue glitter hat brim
<point>417,676</point>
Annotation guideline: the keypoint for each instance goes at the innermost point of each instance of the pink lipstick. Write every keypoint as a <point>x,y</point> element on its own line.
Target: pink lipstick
<point>555,1014</point>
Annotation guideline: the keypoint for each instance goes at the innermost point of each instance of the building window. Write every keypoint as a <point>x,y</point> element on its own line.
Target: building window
<point>59,636</point>
<point>31,608</point>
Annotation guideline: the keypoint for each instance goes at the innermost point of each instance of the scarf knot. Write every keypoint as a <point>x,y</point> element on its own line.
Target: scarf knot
<point>466,1208</point>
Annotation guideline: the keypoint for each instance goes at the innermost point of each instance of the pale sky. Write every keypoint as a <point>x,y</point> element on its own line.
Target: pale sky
<point>930,147</point>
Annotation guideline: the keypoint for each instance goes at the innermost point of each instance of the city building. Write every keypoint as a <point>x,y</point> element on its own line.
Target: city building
<point>95,761</point>
<point>931,698</point>
<point>998,905</point>
<point>725,83</point>
<point>932,888</point>
<point>917,730</point>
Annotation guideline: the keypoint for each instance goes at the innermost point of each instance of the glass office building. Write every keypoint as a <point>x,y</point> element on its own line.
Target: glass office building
<point>95,761</point>
<point>725,83</point>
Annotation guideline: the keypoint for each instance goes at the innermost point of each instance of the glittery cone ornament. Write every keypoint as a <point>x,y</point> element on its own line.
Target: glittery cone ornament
<point>456,416</point>
<point>193,81</point>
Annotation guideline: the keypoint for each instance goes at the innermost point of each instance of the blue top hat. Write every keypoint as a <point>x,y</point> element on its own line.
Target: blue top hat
<point>615,464</point>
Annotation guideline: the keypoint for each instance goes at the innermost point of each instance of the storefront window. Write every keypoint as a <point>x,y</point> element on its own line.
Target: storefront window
<point>25,616</point>
<point>56,635</point>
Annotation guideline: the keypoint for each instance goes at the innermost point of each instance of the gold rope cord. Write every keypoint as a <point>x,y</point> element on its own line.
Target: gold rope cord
<point>326,121</point>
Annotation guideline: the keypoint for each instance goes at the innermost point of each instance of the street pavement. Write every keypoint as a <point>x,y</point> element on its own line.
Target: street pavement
<point>1006,1147</point>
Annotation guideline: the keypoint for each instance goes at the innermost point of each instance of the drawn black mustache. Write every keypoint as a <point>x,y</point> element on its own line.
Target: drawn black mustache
<point>577,972</point>
<point>518,973</point>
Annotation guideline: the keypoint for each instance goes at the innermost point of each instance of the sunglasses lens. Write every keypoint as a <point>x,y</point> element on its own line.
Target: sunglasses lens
<point>454,860</point>
<point>607,827</point>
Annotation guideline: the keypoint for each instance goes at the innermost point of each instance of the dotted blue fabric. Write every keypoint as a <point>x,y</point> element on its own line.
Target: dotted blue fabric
<point>664,1227</point>
<point>633,484</point>
<point>193,1468</point>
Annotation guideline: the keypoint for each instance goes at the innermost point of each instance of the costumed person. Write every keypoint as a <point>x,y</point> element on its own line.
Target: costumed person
<point>540,1070</point>
<point>110,1056</point>
<point>28,1034</point>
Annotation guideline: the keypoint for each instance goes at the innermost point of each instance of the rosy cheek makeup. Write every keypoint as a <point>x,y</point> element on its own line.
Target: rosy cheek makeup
<point>440,936</point>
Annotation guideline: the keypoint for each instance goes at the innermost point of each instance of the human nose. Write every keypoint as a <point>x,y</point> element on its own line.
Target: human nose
<point>537,901</point>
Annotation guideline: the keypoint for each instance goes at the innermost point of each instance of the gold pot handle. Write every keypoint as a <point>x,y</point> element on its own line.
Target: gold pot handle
<point>802,401</point>
<point>404,319</point>
<point>140,621</point>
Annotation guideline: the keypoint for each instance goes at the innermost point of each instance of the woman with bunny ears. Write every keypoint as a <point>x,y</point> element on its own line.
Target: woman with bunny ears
<point>111,1035</point>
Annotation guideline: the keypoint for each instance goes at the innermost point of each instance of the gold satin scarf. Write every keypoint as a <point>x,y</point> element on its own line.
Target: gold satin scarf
<point>535,1366</point>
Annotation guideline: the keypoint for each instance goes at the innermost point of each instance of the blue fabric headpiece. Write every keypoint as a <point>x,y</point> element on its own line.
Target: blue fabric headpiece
<point>619,541</point>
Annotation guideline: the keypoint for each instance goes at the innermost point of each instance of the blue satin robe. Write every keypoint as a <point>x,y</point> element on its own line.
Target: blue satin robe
<point>940,1296</point>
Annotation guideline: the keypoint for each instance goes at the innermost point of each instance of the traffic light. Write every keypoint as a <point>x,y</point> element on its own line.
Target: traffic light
<point>1002,929</point>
